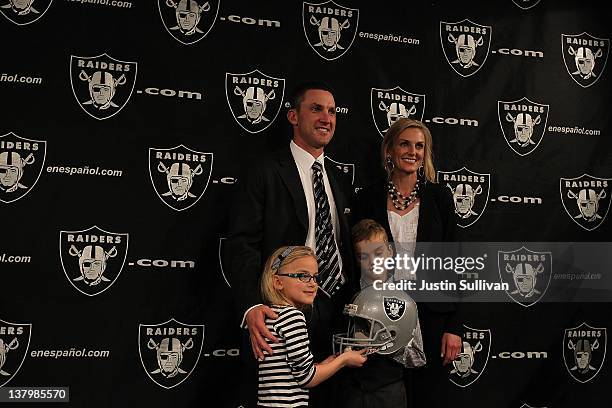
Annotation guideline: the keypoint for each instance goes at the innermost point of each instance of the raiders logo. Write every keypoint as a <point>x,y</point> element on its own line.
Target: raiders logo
<point>470,192</point>
<point>525,4</point>
<point>523,123</point>
<point>472,360</point>
<point>388,105</point>
<point>330,28</point>
<point>188,21</point>
<point>21,164</point>
<point>526,272</point>
<point>465,45</point>
<point>584,351</point>
<point>221,260</point>
<point>394,308</point>
<point>92,259</point>
<point>14,344</point>
<point>170,351</point>
<point>586,199</point>
<point>347,170</point>
<point>254,99</point>
<point>585,57</point>
<point>102,85</point>
<point>179,175</point>
<point>23,12</point>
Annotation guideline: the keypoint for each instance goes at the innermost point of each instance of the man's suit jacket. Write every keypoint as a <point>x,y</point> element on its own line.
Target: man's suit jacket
<point>436,224</point>
<point>271,212</point>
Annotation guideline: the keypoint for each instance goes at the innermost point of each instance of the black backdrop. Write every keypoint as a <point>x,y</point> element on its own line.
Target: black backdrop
<point>83,171</point>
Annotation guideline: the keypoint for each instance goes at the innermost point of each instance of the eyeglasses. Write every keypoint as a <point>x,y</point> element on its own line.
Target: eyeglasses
<point>303,277</point>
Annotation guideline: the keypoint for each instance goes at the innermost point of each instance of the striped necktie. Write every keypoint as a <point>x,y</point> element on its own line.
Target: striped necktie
<point>330,276</point>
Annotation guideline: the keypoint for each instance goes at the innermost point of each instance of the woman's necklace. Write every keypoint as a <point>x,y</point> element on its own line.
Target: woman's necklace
<point>398,199</point>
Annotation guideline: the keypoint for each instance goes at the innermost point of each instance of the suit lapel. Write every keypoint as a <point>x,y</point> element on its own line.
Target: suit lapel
<point>289,174</point>
<point>426,216</point>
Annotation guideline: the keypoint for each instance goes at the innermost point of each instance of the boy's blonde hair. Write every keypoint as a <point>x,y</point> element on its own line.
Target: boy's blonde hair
<point>367,229</point>
<point>279,258</point>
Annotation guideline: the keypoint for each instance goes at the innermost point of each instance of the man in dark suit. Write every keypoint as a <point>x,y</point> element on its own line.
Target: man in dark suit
<point>279,204</point>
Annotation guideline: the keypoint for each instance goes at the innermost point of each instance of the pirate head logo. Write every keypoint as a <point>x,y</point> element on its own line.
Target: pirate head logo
<point>102,85</point>
<point>329,28</point>
<point>180,175</point>
<point>347,170</point>
<point>526,272</point>
<point>254,99</point>
<point>388,105</point>
<point>23,12</point>
<point>523,124</point>
<point>14,344</point>
<point>472,360</point>
<point>170,351</point>
<point>188,21</point>
<point>584,351</point>
<point>92,259</point>
<point>525,4</point>
<point>21,163</point>
<point>470,192</point>
<point>585,57</point>
<point>586,199</point>
<point>465,45</point>
<point>394,308</point>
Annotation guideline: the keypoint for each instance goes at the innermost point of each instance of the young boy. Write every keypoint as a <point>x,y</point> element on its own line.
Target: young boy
<point>380,383</point>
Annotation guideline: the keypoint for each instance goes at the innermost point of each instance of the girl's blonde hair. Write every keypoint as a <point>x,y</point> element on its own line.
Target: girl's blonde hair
<point>279,258</point>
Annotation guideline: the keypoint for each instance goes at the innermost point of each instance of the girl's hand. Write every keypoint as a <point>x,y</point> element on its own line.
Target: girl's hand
<point>354,358</point>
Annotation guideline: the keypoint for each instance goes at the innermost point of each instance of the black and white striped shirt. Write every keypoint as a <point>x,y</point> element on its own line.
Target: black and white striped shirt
<point>283,375</point>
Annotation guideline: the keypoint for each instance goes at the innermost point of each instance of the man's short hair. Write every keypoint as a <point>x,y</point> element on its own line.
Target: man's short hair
<point>367,229</point>
<point>297,95</point>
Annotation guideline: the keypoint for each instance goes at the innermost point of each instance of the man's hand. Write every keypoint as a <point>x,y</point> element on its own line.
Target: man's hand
<point>451,346</point>
<point>255,320</point>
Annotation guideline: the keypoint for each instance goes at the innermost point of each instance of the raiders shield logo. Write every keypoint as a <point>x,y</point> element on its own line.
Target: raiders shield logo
<point>330,28</point>
<point>188,21</point>
<point>221,260</point>
<point>585,57</point>
<point>21,163</point>
<point>102,85</point>
<point>170,351</point>
<point>526,272</point>
<point>586,199</point>
<point>526,4</point>
<point>394,308</point>
<point>254,99</point>
<point>388,105</point>
<point>23,12</point>
<point>179,175</point>
<point>523,123</point>
<point>347,170</point>
<point>472,360</point>
<point>92,259</point>
<point>14,344</point>
<point>465,45</point>
<point>584,351</point>
<point>470,192</point>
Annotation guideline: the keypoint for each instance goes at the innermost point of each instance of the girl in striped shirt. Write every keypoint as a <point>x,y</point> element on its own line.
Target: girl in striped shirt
<point>288,284</point>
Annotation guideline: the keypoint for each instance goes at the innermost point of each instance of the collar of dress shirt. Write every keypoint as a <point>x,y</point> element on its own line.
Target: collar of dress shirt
<point>304,159</point>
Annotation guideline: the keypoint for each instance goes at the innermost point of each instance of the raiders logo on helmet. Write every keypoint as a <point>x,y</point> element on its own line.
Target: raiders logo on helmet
<point>586,199</point>
<point>102,85</point>
<point>388,105</point>
<point>472,360</point>
<point>188,21</point>
<point>584,351</point>
<point>21,163</point>
<point>14,344</point>
<point>93,258</point>
<point>470,192</point>
<point>23,12</point>
<point>330,28</point>
<point>523,124</point>
<point>170,351</point>
<point>526,272</point>
<point>585,57</point>
<point>465,45</point>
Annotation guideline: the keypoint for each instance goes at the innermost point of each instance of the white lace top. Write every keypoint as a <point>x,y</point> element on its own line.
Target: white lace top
<point>404,231</point>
